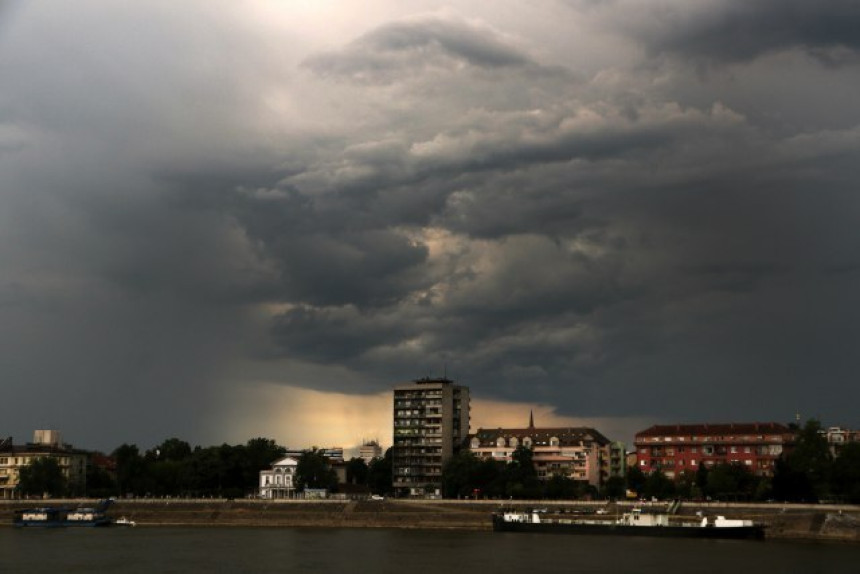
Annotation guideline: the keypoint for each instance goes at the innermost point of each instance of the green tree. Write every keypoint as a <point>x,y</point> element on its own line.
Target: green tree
<point>100,484</point>
<point>560,487</point>
<point>42,476</point>
<point>811,456</point>
<point>685,485</point>
<point>130,470</point>
<point>804,473</point>
<point>356,471</point>
<point>173,449</point>
<point>845,479</point>
<point>521,476</point>
<point>490,478</point>
<point>459,475</point>
<point>702,476</point>
<point>790,484</point>
<point>206,472</point>
<point>636,479</point>
<point>657,485</point>
<point>313,471</point>
<point>522,465</point>
<point>379,473</point>
<point>261,453</point>
<point>615,487</point>
<point>731,482</point>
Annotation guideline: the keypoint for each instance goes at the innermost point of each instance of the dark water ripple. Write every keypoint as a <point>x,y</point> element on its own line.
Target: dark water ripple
<point>238,550</point>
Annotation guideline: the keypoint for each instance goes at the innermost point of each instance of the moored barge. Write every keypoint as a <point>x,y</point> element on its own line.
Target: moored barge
<point>53,516</point>
<point>634,523</point>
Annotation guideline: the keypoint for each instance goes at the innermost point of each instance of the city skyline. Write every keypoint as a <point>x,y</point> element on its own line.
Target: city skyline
<point>224,220</point>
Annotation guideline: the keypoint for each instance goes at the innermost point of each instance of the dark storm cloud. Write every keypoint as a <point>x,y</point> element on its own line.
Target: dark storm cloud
<point>735,30</point>
<point>630,239</point>
<point>600,248</point>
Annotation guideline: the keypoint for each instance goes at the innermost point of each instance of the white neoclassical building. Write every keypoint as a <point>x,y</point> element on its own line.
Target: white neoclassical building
<point>279,481</point>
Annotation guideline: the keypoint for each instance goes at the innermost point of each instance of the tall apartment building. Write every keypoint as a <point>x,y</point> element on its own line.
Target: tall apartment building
<point>333,454</point>
<point>676,450</point>
<point>617,459</point>
<point>369,450</point>
<point>431,422</point>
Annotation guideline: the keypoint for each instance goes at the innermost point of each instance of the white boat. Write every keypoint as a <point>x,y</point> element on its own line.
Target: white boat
<point>123,521</point>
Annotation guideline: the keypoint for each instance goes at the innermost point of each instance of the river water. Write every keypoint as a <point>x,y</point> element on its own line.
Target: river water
<point>237,550</point>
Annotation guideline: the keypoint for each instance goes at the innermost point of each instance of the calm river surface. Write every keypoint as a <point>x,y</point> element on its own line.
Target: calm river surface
<point>399,552</point>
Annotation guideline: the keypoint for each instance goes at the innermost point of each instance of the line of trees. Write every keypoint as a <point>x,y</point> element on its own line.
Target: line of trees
<point>42,475</point>
<point>174,468</point>
<point>314,471</point>
<point>809,473</point>
<point>376,476</point>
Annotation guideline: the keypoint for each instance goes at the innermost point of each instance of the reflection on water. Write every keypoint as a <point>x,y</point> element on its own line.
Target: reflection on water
<point>399,552</point>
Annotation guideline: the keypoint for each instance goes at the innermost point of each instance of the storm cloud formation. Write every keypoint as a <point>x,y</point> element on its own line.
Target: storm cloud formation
<point>622,209</point>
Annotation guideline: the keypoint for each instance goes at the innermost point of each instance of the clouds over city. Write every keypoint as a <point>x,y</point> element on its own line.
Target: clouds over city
<point>621,209</point>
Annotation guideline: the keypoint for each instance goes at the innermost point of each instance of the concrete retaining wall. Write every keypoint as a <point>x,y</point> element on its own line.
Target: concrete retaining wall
<point>806,522</point>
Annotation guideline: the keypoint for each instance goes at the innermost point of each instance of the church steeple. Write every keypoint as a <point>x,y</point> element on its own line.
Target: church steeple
<point>531,419</point>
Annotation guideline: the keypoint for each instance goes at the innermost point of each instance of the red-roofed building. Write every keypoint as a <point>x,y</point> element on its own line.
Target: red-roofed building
<point>679,449</point>
<point>578,453</point>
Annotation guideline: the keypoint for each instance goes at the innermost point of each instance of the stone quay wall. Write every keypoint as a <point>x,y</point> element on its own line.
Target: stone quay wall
<point>784,521</point>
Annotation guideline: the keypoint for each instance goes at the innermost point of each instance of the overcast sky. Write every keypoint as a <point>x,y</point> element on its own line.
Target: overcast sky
<point>225,219</point>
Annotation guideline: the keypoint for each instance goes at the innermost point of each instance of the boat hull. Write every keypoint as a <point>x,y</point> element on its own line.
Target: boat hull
<point>53,517</point>
<point>60,523</point>
<point>613,529</point>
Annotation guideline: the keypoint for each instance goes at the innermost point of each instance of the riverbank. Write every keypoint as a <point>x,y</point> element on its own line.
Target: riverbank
<point>799,522</point>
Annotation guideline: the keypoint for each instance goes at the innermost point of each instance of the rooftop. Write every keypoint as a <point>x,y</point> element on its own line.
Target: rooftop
<point>715,429</point>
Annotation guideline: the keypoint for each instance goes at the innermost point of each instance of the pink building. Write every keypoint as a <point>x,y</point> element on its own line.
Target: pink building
<point>578,453</point>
